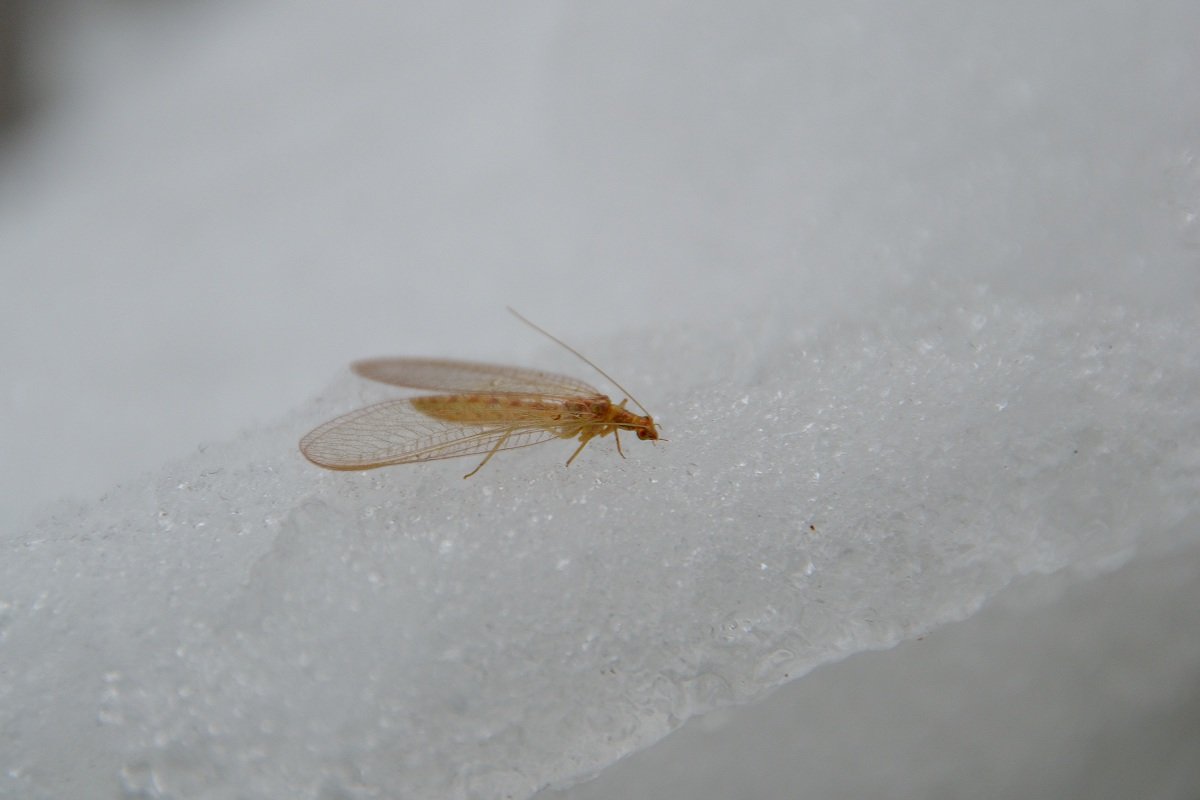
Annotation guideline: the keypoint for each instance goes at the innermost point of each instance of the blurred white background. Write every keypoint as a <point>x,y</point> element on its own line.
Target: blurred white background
<point>208,209</point>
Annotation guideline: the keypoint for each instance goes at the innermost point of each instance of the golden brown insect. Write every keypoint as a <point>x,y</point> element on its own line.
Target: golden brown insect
<point>485,409</point>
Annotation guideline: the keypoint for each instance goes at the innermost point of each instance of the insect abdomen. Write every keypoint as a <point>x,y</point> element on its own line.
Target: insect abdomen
<point>493,408</point>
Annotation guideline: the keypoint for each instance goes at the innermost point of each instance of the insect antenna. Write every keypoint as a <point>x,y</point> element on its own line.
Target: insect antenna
<point>578,355</point>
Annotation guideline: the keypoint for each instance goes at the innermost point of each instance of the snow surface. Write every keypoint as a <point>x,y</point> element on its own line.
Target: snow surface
<point>912,290</point>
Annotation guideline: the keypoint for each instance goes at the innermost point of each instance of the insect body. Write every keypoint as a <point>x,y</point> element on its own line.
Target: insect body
<point>485,408</point>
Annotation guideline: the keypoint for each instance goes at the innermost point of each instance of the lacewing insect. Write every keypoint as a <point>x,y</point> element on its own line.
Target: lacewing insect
<point>484,409</point>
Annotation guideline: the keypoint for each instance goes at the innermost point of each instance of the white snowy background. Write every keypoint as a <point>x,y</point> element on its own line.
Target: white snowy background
<point>912,289</point>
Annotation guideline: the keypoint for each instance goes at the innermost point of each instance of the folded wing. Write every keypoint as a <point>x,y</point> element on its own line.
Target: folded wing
<point>458,377</point>
<point>394,432</point>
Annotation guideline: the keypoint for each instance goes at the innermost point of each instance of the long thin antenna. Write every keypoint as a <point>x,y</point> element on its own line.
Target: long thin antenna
<point>578,355</point>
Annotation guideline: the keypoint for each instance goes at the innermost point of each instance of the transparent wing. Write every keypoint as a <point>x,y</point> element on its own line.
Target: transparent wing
<point>469,377</point>
<point>395,432</point>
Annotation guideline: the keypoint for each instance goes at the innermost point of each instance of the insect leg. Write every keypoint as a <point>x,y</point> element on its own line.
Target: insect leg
<point>584,438</point>
<point>488,457</point>
<point>617,436</point>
